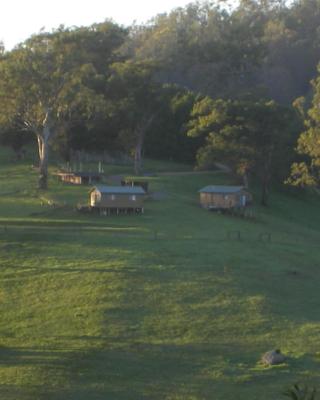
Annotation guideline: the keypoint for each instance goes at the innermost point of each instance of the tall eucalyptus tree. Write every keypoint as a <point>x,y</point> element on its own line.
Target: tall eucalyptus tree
<point>55,78</point>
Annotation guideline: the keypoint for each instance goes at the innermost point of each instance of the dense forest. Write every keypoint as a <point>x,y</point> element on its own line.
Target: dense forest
<point>203,84</point>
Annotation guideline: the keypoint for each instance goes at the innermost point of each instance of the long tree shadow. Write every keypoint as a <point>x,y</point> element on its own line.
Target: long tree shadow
<point>146,371</point>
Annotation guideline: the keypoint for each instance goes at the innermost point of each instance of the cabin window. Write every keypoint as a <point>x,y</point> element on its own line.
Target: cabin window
<point>133,197</point>
<point>226,197</point>
<point>113,197</point>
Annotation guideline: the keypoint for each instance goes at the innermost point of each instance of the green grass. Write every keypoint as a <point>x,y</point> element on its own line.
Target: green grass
<point>168,305</point>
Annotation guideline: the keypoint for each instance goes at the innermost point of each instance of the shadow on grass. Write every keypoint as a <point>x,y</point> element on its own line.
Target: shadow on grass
<point>139,371</point>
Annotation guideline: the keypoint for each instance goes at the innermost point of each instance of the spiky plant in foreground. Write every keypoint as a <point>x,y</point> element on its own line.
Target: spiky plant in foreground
<point>301,392</point>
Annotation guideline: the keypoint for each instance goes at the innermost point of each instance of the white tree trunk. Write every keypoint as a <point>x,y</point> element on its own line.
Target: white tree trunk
<point>140,135</point>
<point>43,147</point>
<point>137,158</point>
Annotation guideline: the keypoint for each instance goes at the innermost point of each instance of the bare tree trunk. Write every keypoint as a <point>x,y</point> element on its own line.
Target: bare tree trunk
<point>138,158</point>
<point>266,178</point>
<point>265,187</point>
<point>43,147</point>
<point>140,135</point>
<point>245,180</point>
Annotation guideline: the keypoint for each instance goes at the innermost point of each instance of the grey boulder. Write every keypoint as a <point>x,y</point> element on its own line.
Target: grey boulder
<point>273,357</point>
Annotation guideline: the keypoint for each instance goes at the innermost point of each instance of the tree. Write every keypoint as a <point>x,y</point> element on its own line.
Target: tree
<point>135,96</point>
<point>270,47</point>
<point>254,138</point>
<point>167,139</point>
<point>51,80</point>
<point>202,47</point>
<point>2,48</point>
<point>307,171</point>
<point>15,138</point>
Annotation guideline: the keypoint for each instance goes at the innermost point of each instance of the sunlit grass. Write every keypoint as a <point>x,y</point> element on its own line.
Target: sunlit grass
<point>165,305</point>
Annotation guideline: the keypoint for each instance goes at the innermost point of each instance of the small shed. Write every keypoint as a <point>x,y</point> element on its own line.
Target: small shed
<point>224,197</point>
<point>117,199</point>
<point>80,178</point>
<point>131,182</point>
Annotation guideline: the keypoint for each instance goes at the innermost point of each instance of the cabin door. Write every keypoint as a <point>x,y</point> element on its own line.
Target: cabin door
<point>243,200</point>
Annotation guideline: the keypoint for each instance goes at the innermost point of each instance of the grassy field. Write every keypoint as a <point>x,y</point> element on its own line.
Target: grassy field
<point>168,305</point>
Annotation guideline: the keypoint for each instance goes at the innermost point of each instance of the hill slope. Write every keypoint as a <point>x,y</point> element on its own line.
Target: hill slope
<point>168,305</point>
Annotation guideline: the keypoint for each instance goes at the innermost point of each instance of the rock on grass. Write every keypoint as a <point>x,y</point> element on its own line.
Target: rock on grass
<point>273,357</point>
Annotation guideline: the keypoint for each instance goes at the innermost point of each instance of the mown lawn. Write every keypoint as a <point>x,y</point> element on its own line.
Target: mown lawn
<point>169,305</point>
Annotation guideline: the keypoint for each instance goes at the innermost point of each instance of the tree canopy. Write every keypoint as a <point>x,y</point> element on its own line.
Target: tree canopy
<point>254,138</point>
<point>232,70</point>
<point>54,79</point>
<point>267,47</point>
<point>306,172</point>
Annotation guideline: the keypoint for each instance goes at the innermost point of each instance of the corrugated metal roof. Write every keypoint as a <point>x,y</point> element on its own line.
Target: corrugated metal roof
<point>119,189</point>
<point>82,174</point>
<point>89,174</point>
<point>221,189</point>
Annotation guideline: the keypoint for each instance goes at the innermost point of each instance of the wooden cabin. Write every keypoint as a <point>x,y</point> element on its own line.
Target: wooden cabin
<point>117,199</point>
<point>224,197</point>
<point>80,178</point>
<point>131,182</point>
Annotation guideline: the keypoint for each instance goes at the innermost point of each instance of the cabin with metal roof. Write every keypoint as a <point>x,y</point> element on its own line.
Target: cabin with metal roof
<point>80,178</point>
<point>117,199</point>
<point>224,197</point>
<point>134,182</point>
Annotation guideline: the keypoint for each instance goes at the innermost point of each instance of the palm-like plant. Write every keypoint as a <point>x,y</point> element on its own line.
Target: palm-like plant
<point>299,392</point>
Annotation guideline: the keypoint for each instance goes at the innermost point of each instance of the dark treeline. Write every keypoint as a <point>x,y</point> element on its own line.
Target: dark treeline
<point>204,84</point>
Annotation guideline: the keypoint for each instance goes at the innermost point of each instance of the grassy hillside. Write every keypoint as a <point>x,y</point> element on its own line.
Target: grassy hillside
<point>168,305</point>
